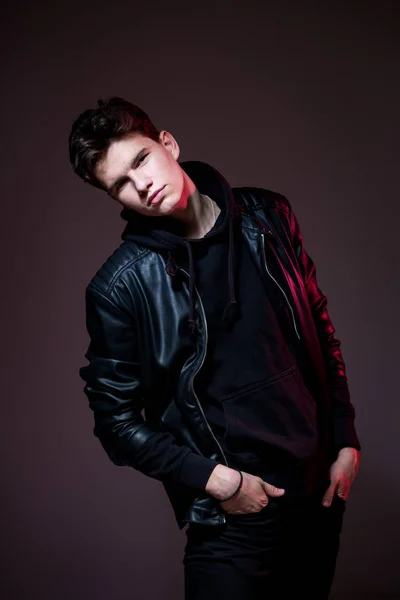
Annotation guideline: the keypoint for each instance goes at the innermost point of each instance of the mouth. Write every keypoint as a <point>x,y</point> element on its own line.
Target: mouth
<point>156,196</point>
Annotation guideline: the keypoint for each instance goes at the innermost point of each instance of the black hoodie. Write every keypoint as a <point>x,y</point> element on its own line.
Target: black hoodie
<point>250,386</point>
<point>161,234</point>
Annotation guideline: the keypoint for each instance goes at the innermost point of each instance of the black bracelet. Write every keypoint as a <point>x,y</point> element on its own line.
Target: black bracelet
<point>237,489</point>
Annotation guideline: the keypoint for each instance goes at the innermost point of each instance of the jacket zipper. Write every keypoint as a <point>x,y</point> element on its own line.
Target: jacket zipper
<point>201,364</point>
<point>282,290</point>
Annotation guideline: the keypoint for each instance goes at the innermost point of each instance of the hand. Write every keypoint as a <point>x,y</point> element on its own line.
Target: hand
<point>252,496</point>
<point>342,474</point>
<point>253,493</point>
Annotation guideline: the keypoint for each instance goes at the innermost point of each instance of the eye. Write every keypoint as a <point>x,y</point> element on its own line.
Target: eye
<point>141,159</point>
<point>120,184</point>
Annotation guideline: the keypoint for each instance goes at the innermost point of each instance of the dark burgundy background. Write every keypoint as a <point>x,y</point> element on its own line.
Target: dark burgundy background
<point>302,99</point>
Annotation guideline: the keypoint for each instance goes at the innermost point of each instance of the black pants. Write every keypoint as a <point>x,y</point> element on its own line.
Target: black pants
<point>287,550</point>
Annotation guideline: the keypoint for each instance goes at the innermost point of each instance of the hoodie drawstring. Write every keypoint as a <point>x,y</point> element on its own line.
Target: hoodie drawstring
<point>171,266</point>
<point>192,320</point>
<point>230,310</point>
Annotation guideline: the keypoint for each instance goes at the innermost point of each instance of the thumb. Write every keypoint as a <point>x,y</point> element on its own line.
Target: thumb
<point>328,496</point>
<point>272,490</point>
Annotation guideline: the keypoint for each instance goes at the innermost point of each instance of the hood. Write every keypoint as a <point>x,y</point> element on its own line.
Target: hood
<point>161,233</point>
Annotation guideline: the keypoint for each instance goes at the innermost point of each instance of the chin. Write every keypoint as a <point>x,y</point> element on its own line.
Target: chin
<point>169,206</point>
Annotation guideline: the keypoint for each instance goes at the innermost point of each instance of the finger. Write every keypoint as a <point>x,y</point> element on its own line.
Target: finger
<point>342,490</point>
<point>328,496</point>
<point>272,490</point>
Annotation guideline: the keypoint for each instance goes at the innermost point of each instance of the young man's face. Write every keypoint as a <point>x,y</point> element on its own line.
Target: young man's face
<point>144,175</point>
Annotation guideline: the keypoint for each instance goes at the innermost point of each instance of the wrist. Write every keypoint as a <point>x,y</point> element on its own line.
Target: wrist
<point>223,482</point>
<point>349,456</point>
<point>237,489</point>
<point>348,451</point>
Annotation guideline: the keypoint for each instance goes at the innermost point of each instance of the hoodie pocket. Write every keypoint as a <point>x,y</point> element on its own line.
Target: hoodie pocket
<point>275,413</point>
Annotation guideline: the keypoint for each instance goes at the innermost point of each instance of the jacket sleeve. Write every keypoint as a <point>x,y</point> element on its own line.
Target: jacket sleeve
<point>343,410</point>
<point>115,395</point>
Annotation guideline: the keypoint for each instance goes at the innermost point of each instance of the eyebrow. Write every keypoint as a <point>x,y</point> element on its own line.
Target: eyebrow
<point>137,156</point>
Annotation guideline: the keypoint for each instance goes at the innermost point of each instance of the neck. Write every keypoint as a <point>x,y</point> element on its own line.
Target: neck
<point>198,214</point>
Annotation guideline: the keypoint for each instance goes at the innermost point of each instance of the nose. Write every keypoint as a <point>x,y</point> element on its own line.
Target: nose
<point>142,182</point>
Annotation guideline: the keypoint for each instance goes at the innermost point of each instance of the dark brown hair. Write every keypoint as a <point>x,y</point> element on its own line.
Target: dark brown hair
<point>95,128</point>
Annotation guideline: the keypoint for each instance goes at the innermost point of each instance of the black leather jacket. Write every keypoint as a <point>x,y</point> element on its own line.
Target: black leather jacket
<point>139,380</point>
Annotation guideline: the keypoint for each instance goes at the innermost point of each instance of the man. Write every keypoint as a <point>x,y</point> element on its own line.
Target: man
<point>213,365</point>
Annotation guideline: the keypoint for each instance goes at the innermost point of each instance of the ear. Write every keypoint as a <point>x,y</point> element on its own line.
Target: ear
<point>169,142</point>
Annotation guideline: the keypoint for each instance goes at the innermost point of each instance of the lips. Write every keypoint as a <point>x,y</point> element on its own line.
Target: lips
<point>154,198</point>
